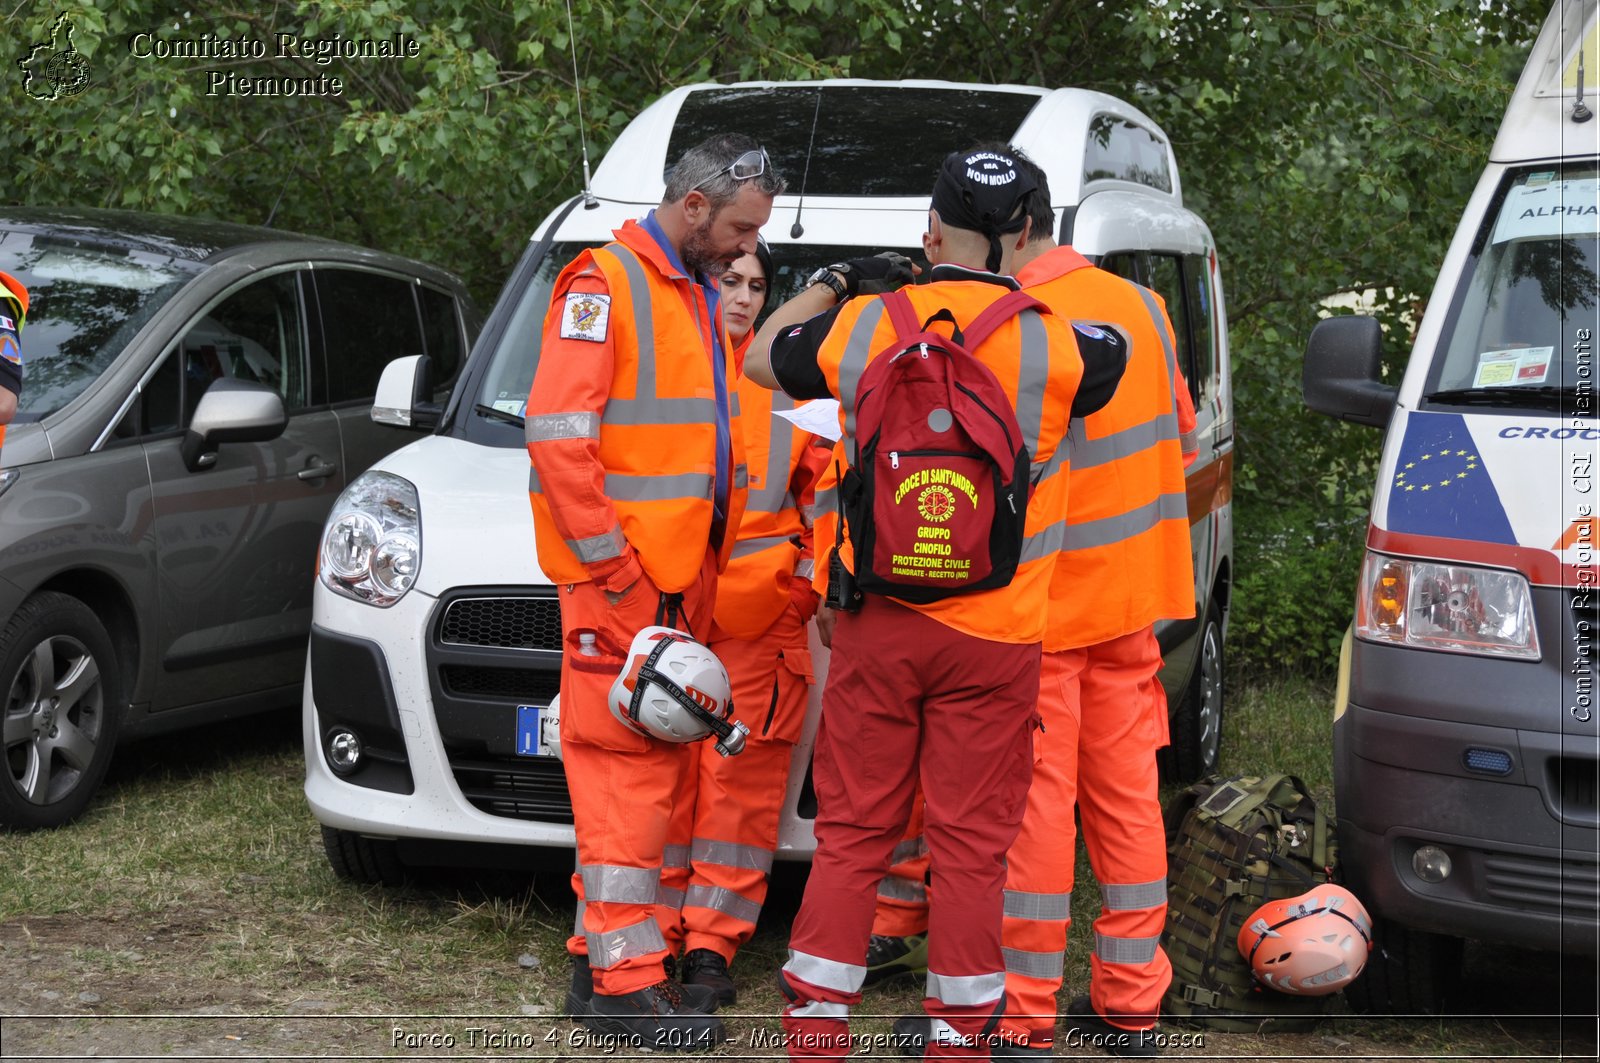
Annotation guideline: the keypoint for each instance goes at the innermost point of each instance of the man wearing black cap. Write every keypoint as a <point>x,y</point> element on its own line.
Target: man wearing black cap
<point>944,690</point>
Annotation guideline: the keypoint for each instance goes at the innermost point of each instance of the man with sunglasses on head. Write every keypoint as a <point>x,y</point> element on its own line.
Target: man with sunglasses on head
<point>637,490</point>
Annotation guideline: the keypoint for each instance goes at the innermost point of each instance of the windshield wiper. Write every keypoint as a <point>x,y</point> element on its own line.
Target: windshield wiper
<point>498,415</point>
<point>1542,396</point>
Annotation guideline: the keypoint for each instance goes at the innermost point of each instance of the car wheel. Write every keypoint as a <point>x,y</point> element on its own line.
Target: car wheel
<point>62,710</point>
<point>1197,725</point>
<point>357,858</point>
<point>1410,972</point>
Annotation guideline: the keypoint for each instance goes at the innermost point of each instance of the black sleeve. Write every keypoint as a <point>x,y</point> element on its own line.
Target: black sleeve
<point>793,357</point>
<point>1104,351</point>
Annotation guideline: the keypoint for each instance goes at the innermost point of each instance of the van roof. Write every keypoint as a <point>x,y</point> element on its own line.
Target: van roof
<point>1539,120</point>
<point>886,139</point>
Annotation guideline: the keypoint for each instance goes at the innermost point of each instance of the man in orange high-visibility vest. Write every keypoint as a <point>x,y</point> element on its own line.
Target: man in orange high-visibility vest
<point>637,490</point>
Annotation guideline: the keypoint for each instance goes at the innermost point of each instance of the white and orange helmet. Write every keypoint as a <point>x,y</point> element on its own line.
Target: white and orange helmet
<point>673,688</point>
<point>1310,945</point>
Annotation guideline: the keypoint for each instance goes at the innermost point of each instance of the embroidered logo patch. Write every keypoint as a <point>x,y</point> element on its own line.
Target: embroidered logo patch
<point>9,348</point>
<point>585,316</point>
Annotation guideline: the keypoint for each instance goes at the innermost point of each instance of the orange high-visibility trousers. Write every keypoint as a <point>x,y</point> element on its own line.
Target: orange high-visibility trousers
<point>1105,715</point>
<point>623,784</point>
<point>725,825</point>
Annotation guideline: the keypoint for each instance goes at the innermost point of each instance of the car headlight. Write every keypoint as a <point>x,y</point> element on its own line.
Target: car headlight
<point>1458,608</point>
<point>372,543</point>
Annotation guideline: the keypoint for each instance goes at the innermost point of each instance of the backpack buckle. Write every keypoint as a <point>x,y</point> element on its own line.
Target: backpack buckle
<point>1201,998</point>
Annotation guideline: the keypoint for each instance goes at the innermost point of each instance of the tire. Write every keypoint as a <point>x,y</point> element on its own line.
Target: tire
<point>1410,972</point>
<point>357,858</point>
<point>63,708</point>
<point>1197,725</point>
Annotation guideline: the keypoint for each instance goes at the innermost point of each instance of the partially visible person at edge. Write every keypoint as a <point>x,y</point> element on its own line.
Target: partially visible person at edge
<point>13,311</point>
<point>1104,711</point>
<point>637,489</point>
<point>725,827</point>
<point>945,690</point>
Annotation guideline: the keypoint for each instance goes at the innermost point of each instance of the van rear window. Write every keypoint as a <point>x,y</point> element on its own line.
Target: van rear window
<point>870,140</point>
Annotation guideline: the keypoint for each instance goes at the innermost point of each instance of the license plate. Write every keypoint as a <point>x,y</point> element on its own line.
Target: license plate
<point>536,731</point>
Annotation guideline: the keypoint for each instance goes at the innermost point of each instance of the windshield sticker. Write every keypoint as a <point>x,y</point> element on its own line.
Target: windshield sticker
<point>511,406</point>
<point>1522,365</point>
<point>1557,209</point>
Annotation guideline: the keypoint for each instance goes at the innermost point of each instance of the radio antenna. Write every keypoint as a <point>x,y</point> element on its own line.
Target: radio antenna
<point>797,230</point>
<point>589,201</point>
<point>1580,111</point>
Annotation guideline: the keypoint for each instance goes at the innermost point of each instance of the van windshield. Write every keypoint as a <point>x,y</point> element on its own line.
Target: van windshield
<point>1523,328</point>
<point>510,374</point>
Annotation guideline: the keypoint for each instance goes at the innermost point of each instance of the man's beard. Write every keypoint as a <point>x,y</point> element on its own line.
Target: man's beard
<point>699,255</point>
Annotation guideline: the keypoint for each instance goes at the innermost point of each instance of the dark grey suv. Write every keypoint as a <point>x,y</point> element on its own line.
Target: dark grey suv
<point>196,396</point>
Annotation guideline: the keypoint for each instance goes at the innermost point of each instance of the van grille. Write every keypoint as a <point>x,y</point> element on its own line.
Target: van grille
<point>514,623</point>
<point>525,788</point>
<point>525,685</point>
<point>1565,887</point>
<point>1577,781</point>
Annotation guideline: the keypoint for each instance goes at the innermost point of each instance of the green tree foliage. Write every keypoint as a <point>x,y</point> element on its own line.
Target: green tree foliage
<point>1330,143</point>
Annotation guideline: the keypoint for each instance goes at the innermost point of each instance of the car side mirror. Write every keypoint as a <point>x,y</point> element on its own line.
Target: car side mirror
<point>405,394</point>
<point>1341,373</point>
<point>231,411</point>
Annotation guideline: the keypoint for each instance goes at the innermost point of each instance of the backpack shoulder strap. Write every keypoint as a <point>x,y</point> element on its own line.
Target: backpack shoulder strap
<point>901,313</point>
<point>998,313</point>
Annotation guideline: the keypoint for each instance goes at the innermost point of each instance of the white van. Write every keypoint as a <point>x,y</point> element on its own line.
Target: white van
<point>1465,733</point>
<point>435,652</point>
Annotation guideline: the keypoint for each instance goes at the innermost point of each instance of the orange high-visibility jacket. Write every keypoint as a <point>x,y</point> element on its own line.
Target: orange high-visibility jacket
<point>13,306</point>
<point>774,541</point>
<point>1036,360</point>
<point>621,420</point>
<point>1126,560</point>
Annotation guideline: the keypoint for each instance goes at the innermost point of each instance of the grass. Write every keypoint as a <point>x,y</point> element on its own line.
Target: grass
<point>197,883</point>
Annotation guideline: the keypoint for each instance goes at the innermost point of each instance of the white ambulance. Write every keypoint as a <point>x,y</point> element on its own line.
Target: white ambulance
<point>435,653</point>
<point>1465,732</point>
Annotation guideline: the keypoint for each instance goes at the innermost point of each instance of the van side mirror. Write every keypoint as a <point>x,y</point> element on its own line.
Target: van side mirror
<point>405,394</point>
<point>1341,373</point>
<point>231,411</point>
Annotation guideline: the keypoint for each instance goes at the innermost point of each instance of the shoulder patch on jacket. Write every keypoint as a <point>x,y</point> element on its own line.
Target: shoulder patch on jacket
<point>585,316</point>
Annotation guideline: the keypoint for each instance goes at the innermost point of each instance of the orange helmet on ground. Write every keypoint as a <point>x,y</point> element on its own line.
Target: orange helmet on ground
<point>1310,945</point>
<point>675,689</point>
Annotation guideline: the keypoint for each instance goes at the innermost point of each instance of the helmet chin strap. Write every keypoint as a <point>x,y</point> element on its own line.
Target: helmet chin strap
<point>730,736</point>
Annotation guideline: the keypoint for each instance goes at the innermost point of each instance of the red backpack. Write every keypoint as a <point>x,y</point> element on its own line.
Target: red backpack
<point>935,500</point>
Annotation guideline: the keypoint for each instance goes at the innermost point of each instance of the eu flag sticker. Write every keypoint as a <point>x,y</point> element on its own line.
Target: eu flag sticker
<point>1440,486</point>
<point>529,739</point>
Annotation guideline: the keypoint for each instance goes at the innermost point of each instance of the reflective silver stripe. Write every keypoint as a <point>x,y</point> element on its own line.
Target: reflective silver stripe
<point>675,856</point>
<point>1189,441</point>
<point>661,411</point>
<point>1125,525</point>
<point>1056,907</point>
<point>620,885</point>
<point>808,515</point>
<point>577,918</point>
<point>774,491</point>
<point>1034,964</point>
<point>730,854</point>
<point>1088,453</point>
<point>548,426</point>
<point>857,349</point>
<point>942,1033</point>
<point>1156,315</point>
<point>1044,542</point>
<point>602,547</point>
<point>827,500</point>
<point>643,324</point>
<point>1033,377</point>
<point>667,897</point>
<point>825,973</point>
<point>907,849</point>
<point>720,899</point>
<point>895,888</point>
<point>1134,896</point>
<point>746,547</point>
<point>741,476</point>
<point>806,569</point>
<point>821,1009</point>
<point>1125,950</point>
<point>733,402</point>
<point>967,990</point>
<point>658,488</point>
<point>614,946</point>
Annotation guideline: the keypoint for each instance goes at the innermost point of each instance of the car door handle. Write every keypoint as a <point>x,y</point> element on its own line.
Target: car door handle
<point>317,472</point>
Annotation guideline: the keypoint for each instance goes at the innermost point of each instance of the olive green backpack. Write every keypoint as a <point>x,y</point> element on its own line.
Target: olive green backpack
<point>1234,844</point>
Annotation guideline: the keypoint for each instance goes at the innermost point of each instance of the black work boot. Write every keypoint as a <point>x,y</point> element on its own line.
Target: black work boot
<point>1095,1030</point>
<point>655,1017</point>
<point>890,957</point>
<point>705,969</point>
<point>582,990</point>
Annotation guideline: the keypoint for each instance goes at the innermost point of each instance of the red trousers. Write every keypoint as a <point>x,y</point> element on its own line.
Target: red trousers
<point>903,893</point>
<point>725,823</point>
<point>909,698</point>
<point>623,785</point>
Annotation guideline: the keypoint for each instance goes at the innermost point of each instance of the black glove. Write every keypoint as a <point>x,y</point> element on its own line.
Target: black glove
<point>873,276</point>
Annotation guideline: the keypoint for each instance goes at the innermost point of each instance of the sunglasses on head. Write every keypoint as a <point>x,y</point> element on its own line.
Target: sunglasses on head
<point>752,163</point>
